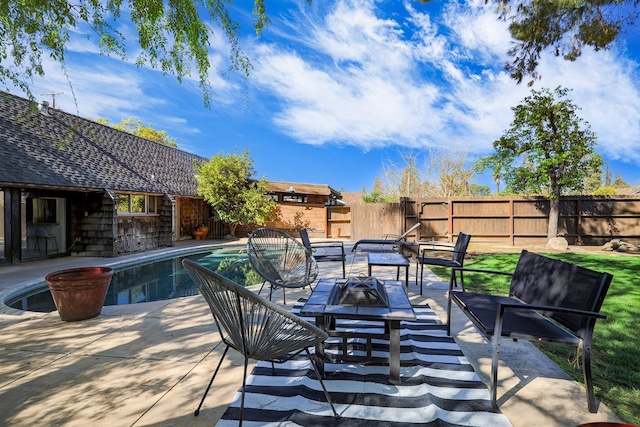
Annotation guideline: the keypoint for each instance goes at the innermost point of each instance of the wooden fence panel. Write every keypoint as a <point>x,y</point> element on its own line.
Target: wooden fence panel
<point>516,221</point>
<point>521,221</point>
<point>374,220</point>
<point>434,216</point>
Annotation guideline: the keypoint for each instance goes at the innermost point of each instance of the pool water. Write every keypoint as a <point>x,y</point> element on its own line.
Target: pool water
<point>155,280</point>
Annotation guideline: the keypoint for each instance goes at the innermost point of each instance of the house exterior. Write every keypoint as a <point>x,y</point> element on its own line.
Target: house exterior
<point>71,186</point>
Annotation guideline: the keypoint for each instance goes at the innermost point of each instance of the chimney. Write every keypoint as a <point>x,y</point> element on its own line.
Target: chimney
<point>44,108</point>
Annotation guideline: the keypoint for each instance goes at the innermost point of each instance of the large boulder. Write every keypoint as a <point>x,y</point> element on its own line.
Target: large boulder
<point>558,244</point>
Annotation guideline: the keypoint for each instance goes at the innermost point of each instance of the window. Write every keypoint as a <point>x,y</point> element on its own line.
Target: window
<point>152,204</point>
<point>137,204</point>
<point>123,203</point>
<point>294,198</point>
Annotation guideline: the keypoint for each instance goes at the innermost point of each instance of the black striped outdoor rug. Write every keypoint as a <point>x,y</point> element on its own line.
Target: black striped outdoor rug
<point>439,386</point>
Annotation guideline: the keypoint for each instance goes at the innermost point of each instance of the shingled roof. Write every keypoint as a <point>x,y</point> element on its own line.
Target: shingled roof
<point>61,150</point>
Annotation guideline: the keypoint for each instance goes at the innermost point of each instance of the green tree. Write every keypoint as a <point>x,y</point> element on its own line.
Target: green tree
<point>134,126</point>
<point>619,182</point>
<point>376,196</point>
<point>226,182</point>
<point>564,26</point>
<point>592,181</point>
<point>554,145</point>
<point>607,176</point>
<point>479,190</point>
<point>172,36</point>
<point>377,186</point>
<point>607,190</point>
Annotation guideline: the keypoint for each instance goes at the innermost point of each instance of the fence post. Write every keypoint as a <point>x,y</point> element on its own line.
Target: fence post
<point>512,221</point>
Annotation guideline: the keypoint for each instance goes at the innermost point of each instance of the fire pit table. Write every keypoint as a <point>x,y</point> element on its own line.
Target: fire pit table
<point>384,301</point>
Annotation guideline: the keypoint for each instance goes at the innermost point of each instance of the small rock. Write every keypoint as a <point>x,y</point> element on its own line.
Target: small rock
<point>558,243</point>
<point>620,246</point>
<point>628,247</point>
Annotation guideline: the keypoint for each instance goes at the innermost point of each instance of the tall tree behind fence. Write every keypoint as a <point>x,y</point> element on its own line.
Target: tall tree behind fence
<point>516,221</point>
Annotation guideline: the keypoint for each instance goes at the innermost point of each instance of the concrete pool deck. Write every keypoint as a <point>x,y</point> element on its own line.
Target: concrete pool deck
<point>148,364</point>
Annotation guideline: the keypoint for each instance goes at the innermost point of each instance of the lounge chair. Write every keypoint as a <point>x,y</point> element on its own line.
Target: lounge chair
<point>253,326</point>
<point>325,251</point>
<point>394,242</point>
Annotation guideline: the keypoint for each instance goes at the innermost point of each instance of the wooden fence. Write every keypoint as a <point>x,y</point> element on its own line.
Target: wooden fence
<point>516,221</point>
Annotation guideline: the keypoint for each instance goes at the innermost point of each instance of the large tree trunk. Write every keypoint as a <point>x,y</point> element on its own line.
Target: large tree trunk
<point>554,214</point>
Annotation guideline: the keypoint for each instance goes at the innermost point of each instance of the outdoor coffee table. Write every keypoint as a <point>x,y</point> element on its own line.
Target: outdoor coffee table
<point>321,305</point>
<point>389,260</point>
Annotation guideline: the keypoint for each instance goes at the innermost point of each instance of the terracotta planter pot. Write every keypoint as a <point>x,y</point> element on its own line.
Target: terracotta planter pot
<point>606,424</point>
<point>79,293</point>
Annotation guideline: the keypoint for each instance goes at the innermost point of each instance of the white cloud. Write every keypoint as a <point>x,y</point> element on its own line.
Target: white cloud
<point>605,87</point>
<point>363,92</point>
<point>371,83</point>
<point>361,78</point>
<point>352,72</point>
<point>97,88</point>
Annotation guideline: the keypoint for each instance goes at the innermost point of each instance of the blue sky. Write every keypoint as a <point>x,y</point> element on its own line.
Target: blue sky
<point>341,90</point>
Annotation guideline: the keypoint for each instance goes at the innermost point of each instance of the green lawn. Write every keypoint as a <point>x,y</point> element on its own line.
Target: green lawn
<point>616,341</point>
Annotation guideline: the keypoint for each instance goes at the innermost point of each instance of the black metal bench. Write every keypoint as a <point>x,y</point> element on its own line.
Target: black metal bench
<point>549,300</point>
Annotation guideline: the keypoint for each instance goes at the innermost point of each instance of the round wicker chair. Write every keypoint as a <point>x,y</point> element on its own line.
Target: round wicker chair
<point>280,259</point>
<point>253,326</point>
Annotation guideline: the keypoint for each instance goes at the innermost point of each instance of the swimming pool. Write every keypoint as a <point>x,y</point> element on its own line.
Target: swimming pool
<point>156,279</point>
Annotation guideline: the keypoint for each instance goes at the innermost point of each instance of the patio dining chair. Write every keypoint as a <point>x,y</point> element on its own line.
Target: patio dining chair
<point>325,251</point>
<point>458,252</point>
<point>256,328</point>
<point>281,260</point>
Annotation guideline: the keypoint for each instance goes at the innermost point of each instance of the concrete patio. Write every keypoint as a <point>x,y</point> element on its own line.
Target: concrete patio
<point>148,364</point>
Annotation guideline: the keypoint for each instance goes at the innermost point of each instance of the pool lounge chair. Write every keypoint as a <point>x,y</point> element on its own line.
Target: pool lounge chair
<point>388,242</point>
